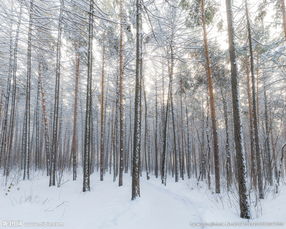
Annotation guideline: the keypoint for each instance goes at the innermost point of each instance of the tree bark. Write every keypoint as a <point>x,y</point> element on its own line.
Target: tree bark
<point>55,132</point>
<point>88,114</point>
<point>240,160</point>
<point>250,111</point>
<point>284,16</point>
<point>26,131</point>
<point>74,147</point>
<point>102,118</point>
<point>212,102</point>
<point>121,99</point>
<point>137,121</point>
<point>254,110</point>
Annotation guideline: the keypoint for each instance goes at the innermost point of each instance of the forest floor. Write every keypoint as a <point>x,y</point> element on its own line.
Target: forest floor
<point>182,205</point>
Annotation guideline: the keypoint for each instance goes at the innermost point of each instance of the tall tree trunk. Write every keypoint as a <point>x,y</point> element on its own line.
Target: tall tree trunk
<point>267,140</point>
<point>26,135</point>
<point>55,132</point>
<point>250,111</point>
<point>137,121</point>
<point>182,142</point>
<point>156,132</point>
<point>4,132</point>
<point>227,149</point>
<point>164,153</point>
<point>189,156</point>
<point>176,162</point>
<point>254,110</point>
<point>146,134</point>
<point>102,118</point>
<point>273,146</point>
<point>121,99</point>
<point>37,125</point>
<point>14,92</point>
<point>88,114</point>
<point>46,125</point>
<point>212,102</point>
<point>74,147</point>
<point>240,160</point>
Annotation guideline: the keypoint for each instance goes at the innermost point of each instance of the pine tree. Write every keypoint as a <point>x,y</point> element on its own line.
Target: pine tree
<point>254,110</point>
<point>211,99</point>
<point>137,120</point>
<point>240,160</point>
<point>27,118</point>
<point>88,112</point>
<point>121,97</point>
<point>55,130</point>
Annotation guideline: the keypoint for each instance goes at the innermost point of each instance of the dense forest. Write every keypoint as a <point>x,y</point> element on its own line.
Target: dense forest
<point>170,90</point>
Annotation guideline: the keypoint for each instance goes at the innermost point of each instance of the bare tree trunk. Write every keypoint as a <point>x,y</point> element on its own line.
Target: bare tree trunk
<point>250,111</point>
<point>156,132</point>
<point>228,156</point>
<point>137,121</point>
<point>74,147</point>
<point>267,140</point>
<point>55,134</point>
<point>46,126</point>
<point>14,92</point>
<point>182,142</point>
<point>273,145</point>
<point>189,151</point>
<point>212,102</point>
<point>240,160</point>
<point>255,122</point>
<point>121,100</point>
<point>164,157</point>
<point>88,115</point>
<point>4,132</point>
<point>201,140</point>
<point>26,135</point>
<point>284,16</point>
<point>102,118</point>
<point>208,149</point>
<point>146,134</point>
<point>37,126</point>
<point>173,115</point>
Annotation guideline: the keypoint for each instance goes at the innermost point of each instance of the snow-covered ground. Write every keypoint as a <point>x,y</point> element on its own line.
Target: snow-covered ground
<point>32,204</point>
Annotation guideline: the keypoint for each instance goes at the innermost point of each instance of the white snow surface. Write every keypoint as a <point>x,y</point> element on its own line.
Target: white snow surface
<point>182,205</point>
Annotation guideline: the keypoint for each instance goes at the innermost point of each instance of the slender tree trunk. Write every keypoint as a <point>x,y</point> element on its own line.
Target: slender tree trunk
<point>284,16</point>
<point>250,111</point>
<point>88,115</point>
<point>55,132</point>
<point>102,118</point>
<point>156,131</point>
<point>146,134</point>
<point>267,140</point>
<point>46,125</point>
<point>165,133</point>
<point>227,149</point>
<point>182,142</point>
<point>273,145</point>
<point>173,115</point>
<point>137,121</point>
<point>189,156</point>
<point>212,102</point>
<point>74,147</point>
<point>121,99</point>
<point>240,160</point>
<point>26,136</point>
<point>255,122</point>
<point>37,126</point>
<point>14,92</point>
